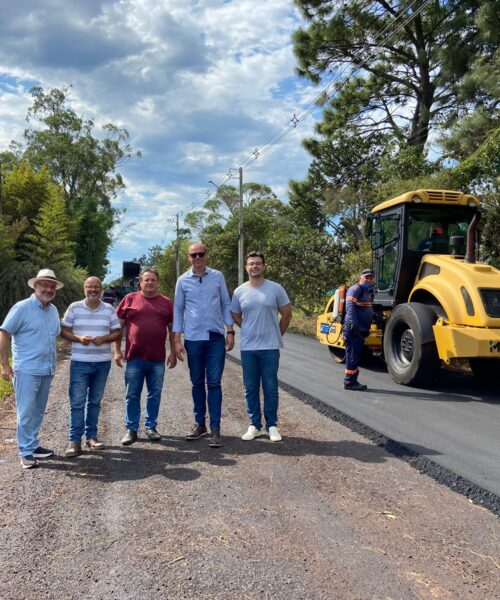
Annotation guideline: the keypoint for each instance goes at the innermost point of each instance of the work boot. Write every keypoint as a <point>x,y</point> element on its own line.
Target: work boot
<point>129,438</point>
<point>215,441</point>
<point>73,450</point>
<point>94,444</point>
<point>153,434</point>
<point>356,387</point>
<point>197,432</point>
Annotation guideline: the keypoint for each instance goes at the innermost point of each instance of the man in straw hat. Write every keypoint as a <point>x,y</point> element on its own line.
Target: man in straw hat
<point>33,325</point>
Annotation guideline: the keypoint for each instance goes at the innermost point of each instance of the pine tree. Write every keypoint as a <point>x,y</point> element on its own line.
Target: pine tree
<point>49,245</point>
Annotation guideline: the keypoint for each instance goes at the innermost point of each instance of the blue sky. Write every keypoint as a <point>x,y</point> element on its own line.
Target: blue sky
<point>198,84</point>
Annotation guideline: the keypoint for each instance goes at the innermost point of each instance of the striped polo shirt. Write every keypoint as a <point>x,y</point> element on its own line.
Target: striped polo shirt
<point>84,320</point>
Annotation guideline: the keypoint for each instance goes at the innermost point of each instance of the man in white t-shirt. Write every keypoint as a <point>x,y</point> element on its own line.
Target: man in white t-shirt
<point>255,307</point>
<point>91,325</point>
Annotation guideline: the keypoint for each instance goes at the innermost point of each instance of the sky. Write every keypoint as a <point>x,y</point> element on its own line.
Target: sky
<point>198,84</point>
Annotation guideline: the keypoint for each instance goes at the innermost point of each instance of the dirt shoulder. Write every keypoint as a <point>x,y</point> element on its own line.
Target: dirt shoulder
<point>324,514</point>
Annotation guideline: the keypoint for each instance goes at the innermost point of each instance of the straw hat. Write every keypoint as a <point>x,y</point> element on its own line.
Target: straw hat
<point>45,275</point>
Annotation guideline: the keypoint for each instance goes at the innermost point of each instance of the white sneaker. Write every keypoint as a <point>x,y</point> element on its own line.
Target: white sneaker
<point>251,434</point>
<point>274,434</point>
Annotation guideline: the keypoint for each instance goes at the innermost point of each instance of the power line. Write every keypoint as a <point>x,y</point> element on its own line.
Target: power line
<point>343,75</point>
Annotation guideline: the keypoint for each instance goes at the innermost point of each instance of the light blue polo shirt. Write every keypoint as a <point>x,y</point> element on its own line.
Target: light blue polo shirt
<point>259,306</point>
<point>34,330</point>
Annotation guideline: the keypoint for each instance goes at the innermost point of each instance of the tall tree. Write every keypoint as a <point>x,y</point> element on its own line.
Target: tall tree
<point>83,165</point>
<point>405,60</point>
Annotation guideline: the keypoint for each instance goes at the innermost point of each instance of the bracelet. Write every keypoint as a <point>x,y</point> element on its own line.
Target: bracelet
<point>230,333</point>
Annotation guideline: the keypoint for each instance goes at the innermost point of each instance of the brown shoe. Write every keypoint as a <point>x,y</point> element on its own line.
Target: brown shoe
<point>215,441</point>
<point>197,432</point>
<point>94,444</point>
<point>74,449</point>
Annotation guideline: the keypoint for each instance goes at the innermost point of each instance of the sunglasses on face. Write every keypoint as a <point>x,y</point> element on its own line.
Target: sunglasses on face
<point>197,254</point>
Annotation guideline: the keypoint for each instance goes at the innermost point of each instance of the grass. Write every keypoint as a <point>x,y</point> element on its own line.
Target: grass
<point>5,389</point>
<point>303,324</point>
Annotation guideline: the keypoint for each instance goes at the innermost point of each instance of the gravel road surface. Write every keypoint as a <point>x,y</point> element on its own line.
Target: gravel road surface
<point>325,514</point>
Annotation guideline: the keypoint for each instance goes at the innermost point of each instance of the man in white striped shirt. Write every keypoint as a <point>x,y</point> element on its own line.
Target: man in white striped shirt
<point>91,325</point>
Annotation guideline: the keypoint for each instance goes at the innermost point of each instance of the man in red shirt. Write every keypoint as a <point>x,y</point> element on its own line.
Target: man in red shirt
<point>148,317</point>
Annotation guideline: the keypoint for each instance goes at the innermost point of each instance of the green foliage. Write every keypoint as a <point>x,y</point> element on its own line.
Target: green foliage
<point>24,192</point>
<point>406,77</point>
<point>298,255</point>
<point>304,261</point>
<point>84,166</point>
<point>49,244</point>
<point>438,74</point>
<point>166,265</point>
<point>15,274</point>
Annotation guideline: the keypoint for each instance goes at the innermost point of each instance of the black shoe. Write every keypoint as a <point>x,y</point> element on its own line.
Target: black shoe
<point>28,462</point>
<point>129,438</point>
<point>153,435</point>
<point>42,452</point>
<point>356,387</point>
<point>215,441</point>
<point>197,432</point>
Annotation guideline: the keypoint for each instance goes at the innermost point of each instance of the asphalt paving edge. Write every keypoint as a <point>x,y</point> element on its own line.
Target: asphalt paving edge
<point>442,475</point>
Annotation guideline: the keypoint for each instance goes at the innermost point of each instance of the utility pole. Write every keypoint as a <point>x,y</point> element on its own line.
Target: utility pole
<point>177,248</point>
<point>240,231</point>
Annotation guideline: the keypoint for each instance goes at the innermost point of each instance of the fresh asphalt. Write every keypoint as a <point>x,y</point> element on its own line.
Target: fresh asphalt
<point>451,423</point>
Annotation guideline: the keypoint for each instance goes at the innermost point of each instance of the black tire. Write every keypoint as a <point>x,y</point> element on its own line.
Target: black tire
<point>409,346</point>
<point>338,354</point>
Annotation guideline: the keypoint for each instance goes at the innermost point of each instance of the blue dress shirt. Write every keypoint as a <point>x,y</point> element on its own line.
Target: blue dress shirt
<point>34,330</point>
<point>201,305</point>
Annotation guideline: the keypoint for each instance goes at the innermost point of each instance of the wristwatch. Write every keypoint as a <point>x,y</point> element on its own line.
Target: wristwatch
<point>230,333</point>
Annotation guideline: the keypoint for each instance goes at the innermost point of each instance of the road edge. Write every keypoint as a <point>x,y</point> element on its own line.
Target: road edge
<point>475,493</point>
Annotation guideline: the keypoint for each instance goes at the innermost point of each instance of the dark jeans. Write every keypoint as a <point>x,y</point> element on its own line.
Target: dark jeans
<point>261,366</point>
<point>354,344</point>
<point>206,365</point>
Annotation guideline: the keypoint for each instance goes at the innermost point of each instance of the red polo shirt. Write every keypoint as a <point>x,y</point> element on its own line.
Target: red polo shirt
<point>146,320</point>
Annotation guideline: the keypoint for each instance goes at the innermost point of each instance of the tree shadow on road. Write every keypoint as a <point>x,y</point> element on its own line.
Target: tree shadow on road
<point>174,458</point>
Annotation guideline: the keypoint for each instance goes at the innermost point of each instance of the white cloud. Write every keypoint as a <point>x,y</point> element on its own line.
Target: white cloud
<point>198,84</point>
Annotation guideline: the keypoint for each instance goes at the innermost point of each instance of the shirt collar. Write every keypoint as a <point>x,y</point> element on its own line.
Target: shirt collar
<point>36,301</point>
<point>84,301</point>
<point>205,272</point>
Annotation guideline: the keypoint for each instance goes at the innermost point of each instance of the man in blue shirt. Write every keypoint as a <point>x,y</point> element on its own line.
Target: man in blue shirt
<point>357,323</point>
<point>33,325</point>
<point>201,313</point>
<point>255,307</point>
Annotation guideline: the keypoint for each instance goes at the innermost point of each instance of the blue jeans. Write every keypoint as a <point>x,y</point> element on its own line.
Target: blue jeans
<point>32,393</point>
<point>136,371</point>
<point>206,363</point>
<point>87,381</point>
<point>261,366</point>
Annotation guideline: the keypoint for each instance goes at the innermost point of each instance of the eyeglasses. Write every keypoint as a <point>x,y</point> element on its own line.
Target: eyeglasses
<point>197,254</point>
<point>92,287</point>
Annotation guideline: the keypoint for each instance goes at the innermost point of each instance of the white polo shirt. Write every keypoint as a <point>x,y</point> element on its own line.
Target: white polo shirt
<point>84,320</point>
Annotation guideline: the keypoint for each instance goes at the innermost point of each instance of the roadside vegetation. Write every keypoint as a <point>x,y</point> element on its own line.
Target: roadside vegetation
<point>418,108</point>
<point>56,193</point>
